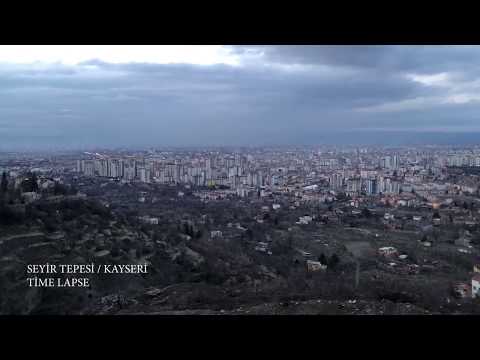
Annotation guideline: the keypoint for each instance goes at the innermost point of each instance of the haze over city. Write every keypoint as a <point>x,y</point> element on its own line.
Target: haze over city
<point>78,97</point>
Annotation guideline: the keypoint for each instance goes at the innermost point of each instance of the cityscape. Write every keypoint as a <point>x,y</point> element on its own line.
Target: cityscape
<point>232,180</point>
<point>317,229</point>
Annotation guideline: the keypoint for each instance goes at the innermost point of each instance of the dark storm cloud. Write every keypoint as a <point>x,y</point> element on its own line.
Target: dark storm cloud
<point>283,94</point>
<point>265,84</point>
<point>365,56</point>
<point>414,58</point>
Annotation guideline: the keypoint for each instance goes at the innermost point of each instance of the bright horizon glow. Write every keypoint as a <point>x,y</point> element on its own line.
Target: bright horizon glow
<point>441,79</point>
<point>160,54</point>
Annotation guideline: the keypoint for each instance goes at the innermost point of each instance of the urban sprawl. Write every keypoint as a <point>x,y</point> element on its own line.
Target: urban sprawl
<point>254,230</point>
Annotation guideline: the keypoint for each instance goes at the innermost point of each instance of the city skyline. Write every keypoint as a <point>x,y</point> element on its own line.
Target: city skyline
<point>232,231</point>
<point>78,97</point>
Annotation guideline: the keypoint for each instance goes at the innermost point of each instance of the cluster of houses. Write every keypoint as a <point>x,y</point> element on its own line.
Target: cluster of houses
<point>315,266</point>
<point>148,220</point>
<point>263,247</point>
<point>215,234</point>
<point>476,281</point>
<point>304,220</point>
<point>472,290</point>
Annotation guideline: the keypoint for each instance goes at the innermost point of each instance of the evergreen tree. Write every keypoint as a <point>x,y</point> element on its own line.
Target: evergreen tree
<point>334,260</point>
<point>73,190</point>
<point>58,189</point>
<point>290,241</point>
<point>34,182</point>
<point>322,258</point>
<point>366,213</point>
<point>30,183</point>
<point>4,183</point>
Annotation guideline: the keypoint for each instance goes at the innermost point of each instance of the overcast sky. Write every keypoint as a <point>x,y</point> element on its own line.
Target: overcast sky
<point>82,96</point>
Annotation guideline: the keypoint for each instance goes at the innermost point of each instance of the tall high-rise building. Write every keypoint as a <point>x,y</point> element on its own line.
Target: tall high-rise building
<point>89,168</point>
<point>102,168</point>
<point>178,172</point>
<point>395,163</point>
<point>142,173</point>
<point>336,181</point>
<point>129,173</point>
<point>354,185</point>
<point>113,168</point>
<point>79,166</point>
<point>238,159</point>
<point>372,186</point>
<point>385,162</point>
<point>477,161</point>
<point>120,168</point>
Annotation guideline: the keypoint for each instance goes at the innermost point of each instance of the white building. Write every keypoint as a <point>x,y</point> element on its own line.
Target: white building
<point>336,181</point>
<point>149,220</point>
<point>305,220</point>
<point>315,265</point>
<point>142,174</point>
<point>387,251</point>
<point>262,247</point>
<point>47,184</point>
<point>215,234</point>
<point>476,285</point>
<point>30,196</point>
<point>388,216</point>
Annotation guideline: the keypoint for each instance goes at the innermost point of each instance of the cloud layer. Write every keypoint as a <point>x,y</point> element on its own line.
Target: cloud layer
<point>269,95</point>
